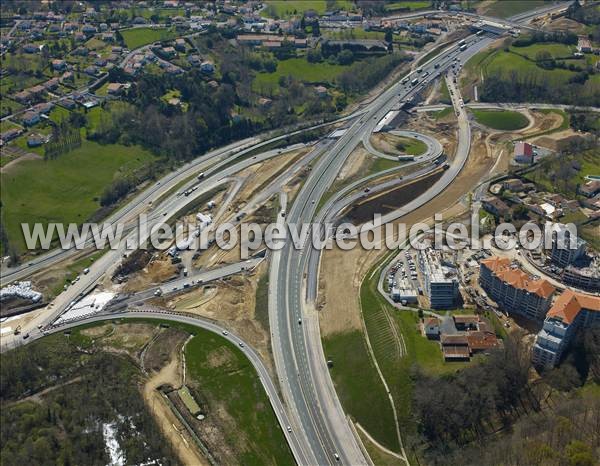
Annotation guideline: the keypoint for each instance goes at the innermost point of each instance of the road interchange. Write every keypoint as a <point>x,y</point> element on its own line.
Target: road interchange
<point>322,433</point>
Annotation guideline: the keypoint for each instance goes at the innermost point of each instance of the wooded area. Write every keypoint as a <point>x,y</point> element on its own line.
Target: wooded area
<point>87,392</point>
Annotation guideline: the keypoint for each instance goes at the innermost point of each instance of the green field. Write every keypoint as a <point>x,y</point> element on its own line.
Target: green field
<point>519,63</point>
<point>358,386</point>
<point>506,8</point>
<point>229,382</point>
<point>283,8</point>
<point>137,37</point>
<point>353,33</point>
<point>65,189</point>
<point>300,69</point>
<point>407,5</point>
<point>554,49</point>
<point>502,120</point>
<point>411,146</point>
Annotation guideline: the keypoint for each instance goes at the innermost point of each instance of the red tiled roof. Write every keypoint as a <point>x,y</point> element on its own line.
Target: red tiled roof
<point>454,340</point>
<point>500,266</point>
<point>456,352</point>
<point>481,340</point>
<point>569,304</point>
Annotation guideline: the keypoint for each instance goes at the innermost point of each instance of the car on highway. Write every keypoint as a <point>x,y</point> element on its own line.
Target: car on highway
<point>225,332</point>
<point>241,344</point>
<point>289,429</point>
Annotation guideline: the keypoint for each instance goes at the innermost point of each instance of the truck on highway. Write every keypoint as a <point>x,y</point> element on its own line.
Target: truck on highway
<point>414,82</point>
<point>419,70</point>
<point>462,42</point>
<point>463,47</point>
<point>404,81</point>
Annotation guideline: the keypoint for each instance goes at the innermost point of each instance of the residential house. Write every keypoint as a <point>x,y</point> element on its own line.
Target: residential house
<point>321,91</point>
<point>207,67</point>
<point>523,152</point>
<point>431,327</point>
<point>180,45</point>
<point>31,118</point>
<point>114,88</point>
<point>495,206</point>
<point>590,189</point>
<point>59,65</point>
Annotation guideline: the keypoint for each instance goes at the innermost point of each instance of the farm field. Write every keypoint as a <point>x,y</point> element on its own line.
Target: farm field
<point>300,69</point>
<point>519,63</point>
<point>65,189</point>
<point>138,37</point>
<point>502,120</point>
<point>506,8</point>
<point>283,8</point>
<point>555,50</point>
<point>351,34</point>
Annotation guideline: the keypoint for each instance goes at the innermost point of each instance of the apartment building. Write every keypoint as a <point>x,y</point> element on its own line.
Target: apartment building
<point>514,290</point>
<point>570,312</point>
<point>564,253</point>
<point>440,280</point>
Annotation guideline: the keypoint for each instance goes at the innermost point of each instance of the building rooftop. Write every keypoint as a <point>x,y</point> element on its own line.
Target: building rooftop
<point>570,303</point>
<point>501,267</point>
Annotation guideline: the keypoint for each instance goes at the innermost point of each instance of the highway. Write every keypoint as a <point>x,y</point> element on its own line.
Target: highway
<point>297,347</point>
<point>510,106</point>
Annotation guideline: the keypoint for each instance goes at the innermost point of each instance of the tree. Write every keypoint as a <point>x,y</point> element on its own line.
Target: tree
<point>345,57</point>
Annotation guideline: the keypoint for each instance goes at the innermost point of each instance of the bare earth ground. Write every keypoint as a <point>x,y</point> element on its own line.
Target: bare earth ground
<point>355,165</point>
<point>232,303</point>
<point>386,143</point>
<point>550,141</point>
<point>170,425</point>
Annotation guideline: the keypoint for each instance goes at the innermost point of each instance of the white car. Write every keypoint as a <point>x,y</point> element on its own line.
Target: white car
<point>225,332</point>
